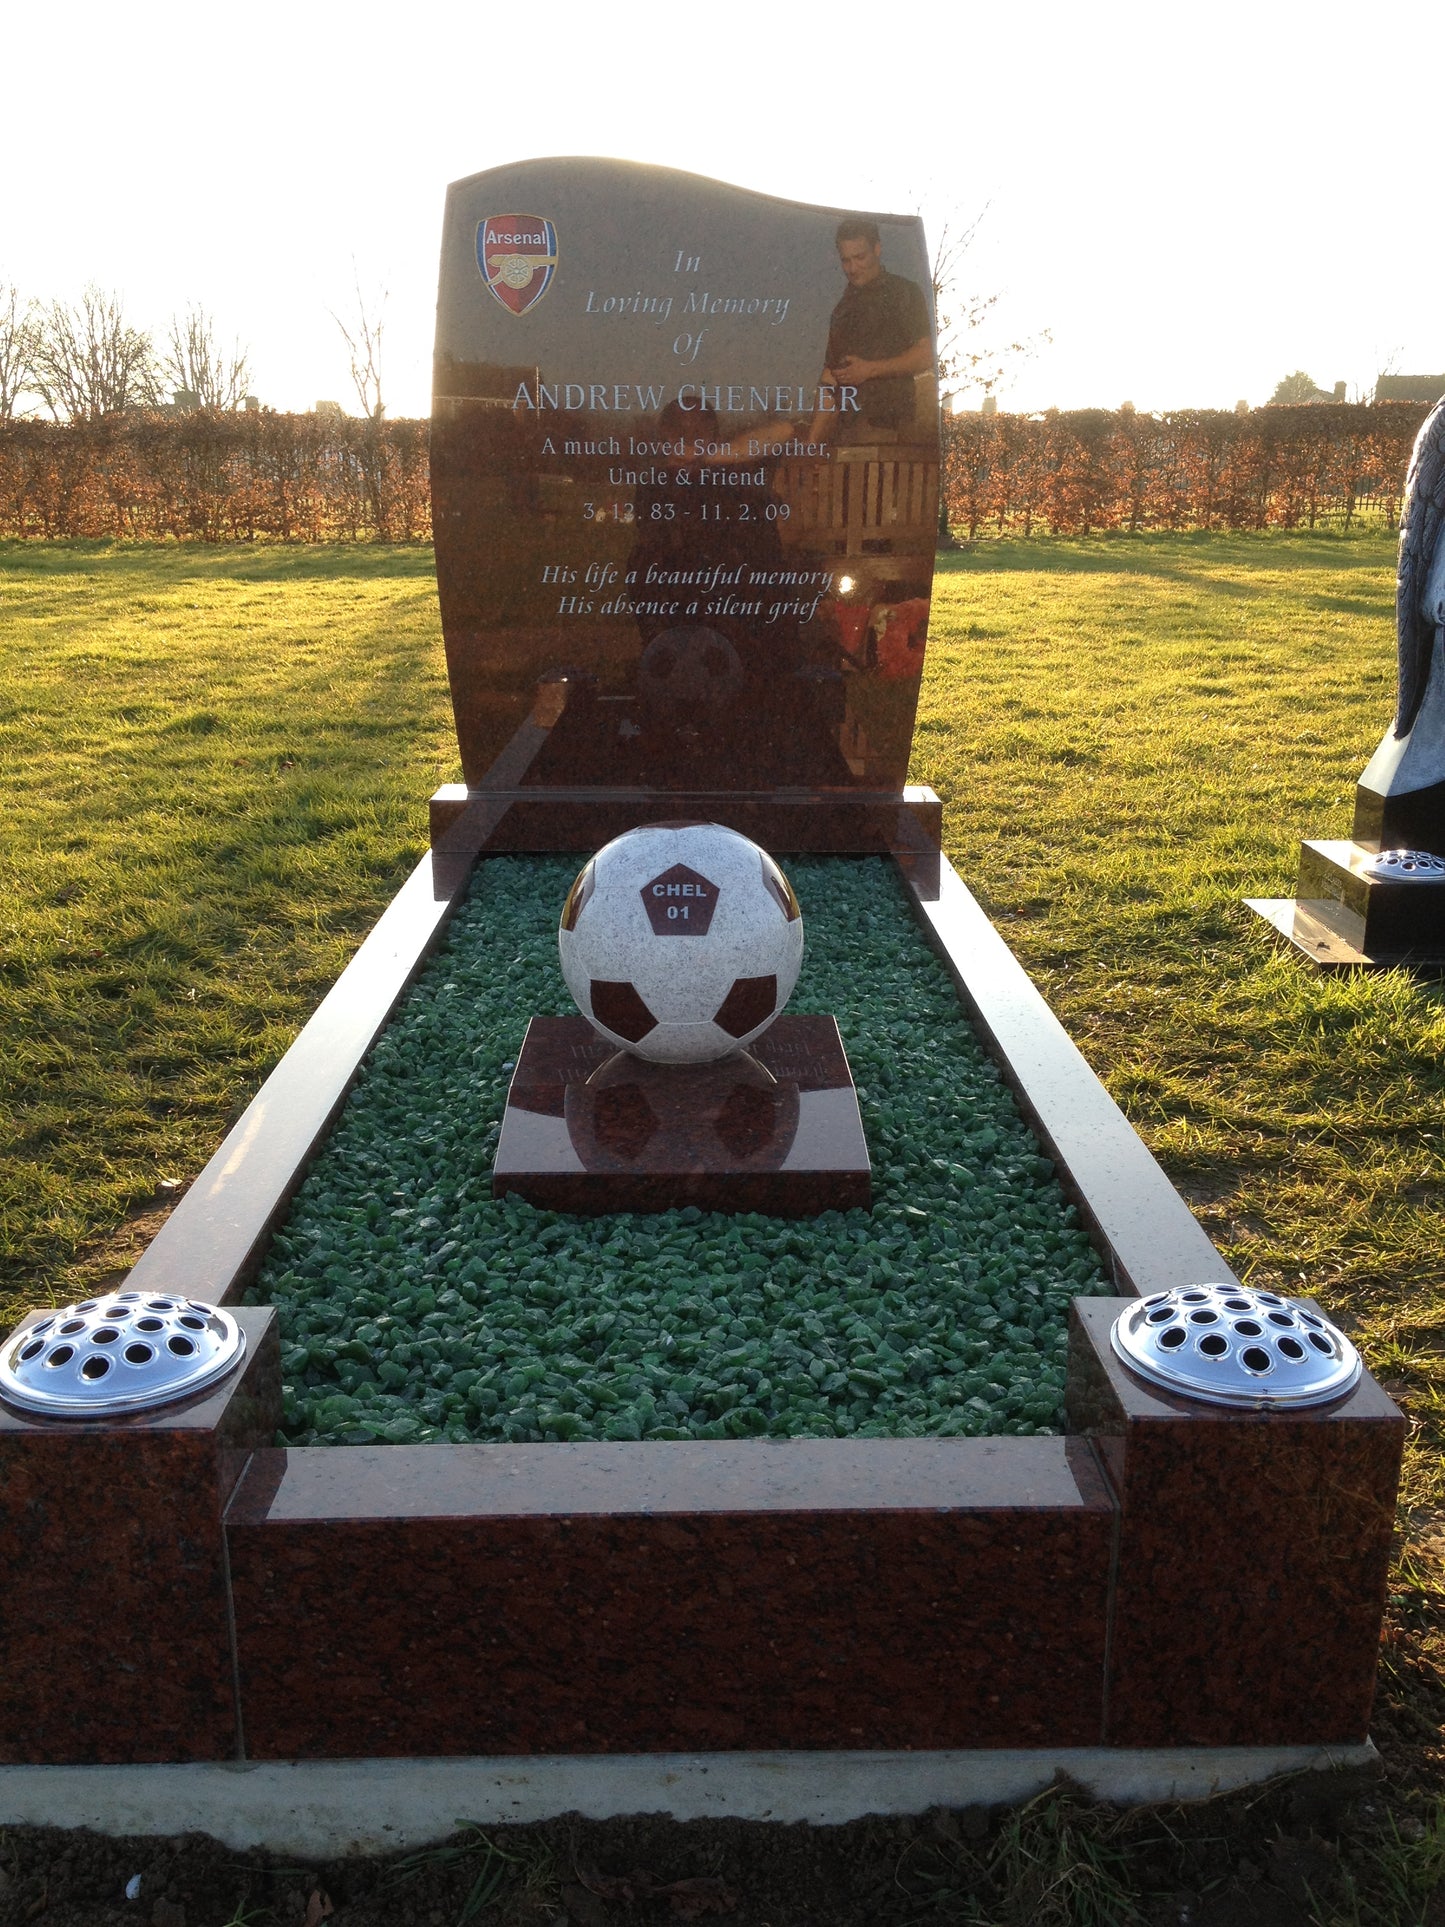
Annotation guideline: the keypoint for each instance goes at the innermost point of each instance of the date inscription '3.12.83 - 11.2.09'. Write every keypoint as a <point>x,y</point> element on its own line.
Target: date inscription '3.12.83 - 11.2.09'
<point>685,483</point>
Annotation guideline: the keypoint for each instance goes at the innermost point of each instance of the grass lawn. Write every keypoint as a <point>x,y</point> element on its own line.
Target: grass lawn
<point>215,767</point>
<point>1130,737</point>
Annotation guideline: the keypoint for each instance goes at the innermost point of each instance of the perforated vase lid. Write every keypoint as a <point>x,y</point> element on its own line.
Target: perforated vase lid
<point>123,1353</point>
<point>1230,1345</point>
<point>1406,866</point>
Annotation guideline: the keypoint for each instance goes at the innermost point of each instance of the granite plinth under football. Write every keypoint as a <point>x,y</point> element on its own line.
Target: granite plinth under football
<point>589,1128</point>
<point>114,1641</point>
<point>1253,1550</point>
<point>671,1597</point>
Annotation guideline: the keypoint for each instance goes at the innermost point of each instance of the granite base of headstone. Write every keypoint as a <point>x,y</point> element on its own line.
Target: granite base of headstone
<point>1375,899</point>
<point>773,1129</point>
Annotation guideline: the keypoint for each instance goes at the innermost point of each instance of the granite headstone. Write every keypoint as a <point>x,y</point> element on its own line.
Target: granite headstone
<point>685,485</point>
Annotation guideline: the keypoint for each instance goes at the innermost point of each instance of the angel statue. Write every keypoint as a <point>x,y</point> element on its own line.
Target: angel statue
<point>1401,796</point>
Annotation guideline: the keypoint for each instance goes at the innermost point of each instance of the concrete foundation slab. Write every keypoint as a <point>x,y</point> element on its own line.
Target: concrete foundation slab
<point>320,1809</point>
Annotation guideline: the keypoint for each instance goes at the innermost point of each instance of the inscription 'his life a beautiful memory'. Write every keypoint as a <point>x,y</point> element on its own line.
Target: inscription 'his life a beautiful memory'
<point>718,597</point>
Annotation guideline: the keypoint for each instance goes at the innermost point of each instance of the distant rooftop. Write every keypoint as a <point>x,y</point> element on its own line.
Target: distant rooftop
<point>1410,387</point>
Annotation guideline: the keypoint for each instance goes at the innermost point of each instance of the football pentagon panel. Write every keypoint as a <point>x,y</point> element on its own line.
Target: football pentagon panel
<point>681,942</point>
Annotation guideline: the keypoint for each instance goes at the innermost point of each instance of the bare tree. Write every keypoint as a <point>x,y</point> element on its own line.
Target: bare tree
<point>363,343</point>
<point>1387,364</point>
<point>195,362</point>
<point>17,348</point>
<point>967,358</point>
<point>88,360</point>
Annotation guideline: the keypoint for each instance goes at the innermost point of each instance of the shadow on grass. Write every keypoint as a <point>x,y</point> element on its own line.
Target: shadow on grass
<point>1168,555</point>
<point>1342,605</point>
<point>240,561</point>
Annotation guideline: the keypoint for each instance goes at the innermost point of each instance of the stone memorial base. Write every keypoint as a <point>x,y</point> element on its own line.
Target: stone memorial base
<point>300,1620</point>
<point>1126,1585</point>
<point>774,1129</point>
<point>1340,917</point>
<point>905,824</point>
<point>1345,916</point>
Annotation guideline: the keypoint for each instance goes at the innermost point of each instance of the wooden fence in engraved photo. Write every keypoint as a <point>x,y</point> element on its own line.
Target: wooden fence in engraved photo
<point>872,500</point>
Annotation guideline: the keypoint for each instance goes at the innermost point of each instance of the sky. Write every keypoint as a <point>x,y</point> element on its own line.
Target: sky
<point>1179,204</point>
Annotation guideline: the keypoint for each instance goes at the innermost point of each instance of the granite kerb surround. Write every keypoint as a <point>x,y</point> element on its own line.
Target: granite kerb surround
<point>287,1540</point>
<point>810,1596</point>
<point>1304,1499</point>
<point>115,1610</point>
<point>664,1596</point>
<point>1143,1230</point>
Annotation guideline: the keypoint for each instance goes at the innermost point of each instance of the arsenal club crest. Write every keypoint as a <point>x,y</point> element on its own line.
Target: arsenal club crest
<point>517,254</point>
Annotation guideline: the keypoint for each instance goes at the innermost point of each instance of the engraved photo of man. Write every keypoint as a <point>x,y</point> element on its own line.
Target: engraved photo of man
<point>879,336</point>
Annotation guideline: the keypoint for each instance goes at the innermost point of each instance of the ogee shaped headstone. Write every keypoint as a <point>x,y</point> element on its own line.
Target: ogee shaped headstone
<point>685,483</point>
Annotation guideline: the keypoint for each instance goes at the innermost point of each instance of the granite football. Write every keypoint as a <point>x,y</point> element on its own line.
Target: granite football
<point>681,942</point>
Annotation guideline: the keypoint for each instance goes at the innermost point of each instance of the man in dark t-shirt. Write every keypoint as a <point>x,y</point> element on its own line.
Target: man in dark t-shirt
<point>878,335</point>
